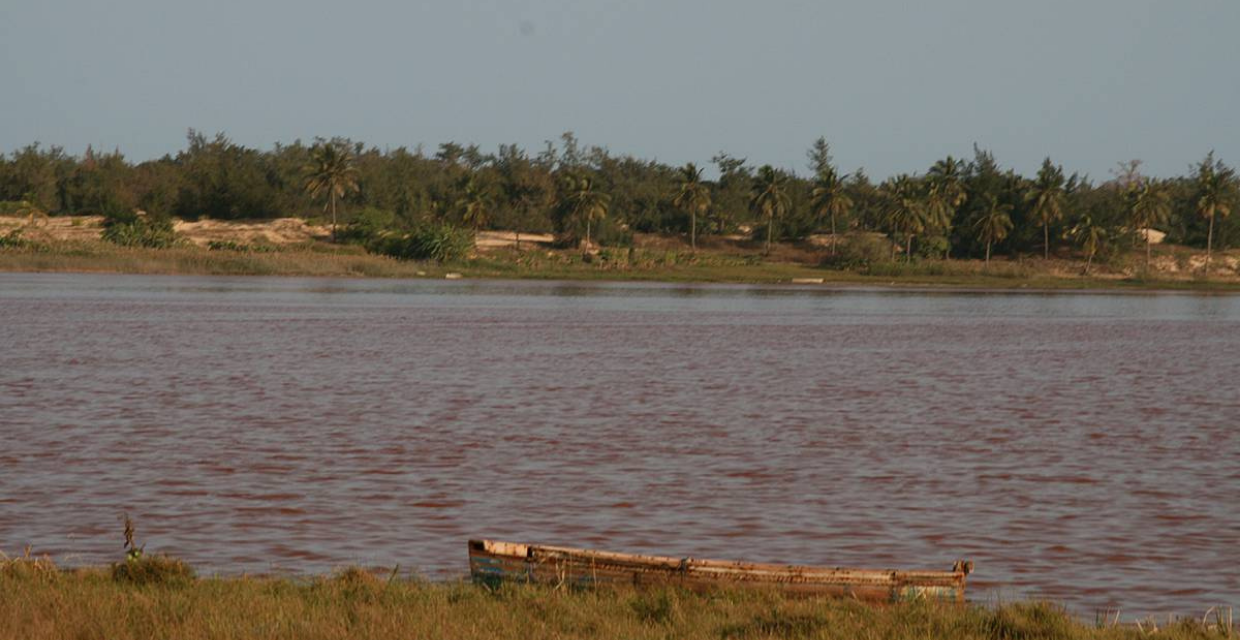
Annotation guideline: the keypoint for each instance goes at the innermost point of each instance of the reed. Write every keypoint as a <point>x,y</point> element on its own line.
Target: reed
<point>39,601</point>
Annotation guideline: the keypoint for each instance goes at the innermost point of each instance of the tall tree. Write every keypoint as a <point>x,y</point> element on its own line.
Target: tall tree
<point>331,173</point>
<point>819,156</point>
<point>584,202</point>
<point>1046,201</point>
<point>693,198</point>
<point>993,224</point>
<point>1215,195</point>
<point>904,211</point>
<point>476,204</point>
<point>730,200</point>
<point>946,179</point>
<point>1091,236</point>
<point>1150,205</point>
<point>829,197</point>
<point>769,198</point>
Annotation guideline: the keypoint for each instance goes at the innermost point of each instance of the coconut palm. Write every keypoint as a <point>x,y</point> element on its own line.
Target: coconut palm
<point>904,211</point>
<point>946,195</point>
<point>938,209</point>
<point>946,176</point>
<point>1215,199</point>
<point>1046,200</point>
<point>331,172</point>
<point>830,199</point>
<point>994,223</point>
<point>584,202</point>
<point>769,198</point>
<point>693,197</point>
<point>1091,236</point>
<point>1150,205</point>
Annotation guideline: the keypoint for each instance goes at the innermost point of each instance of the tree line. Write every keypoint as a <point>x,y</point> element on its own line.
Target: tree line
<point>959,207</point>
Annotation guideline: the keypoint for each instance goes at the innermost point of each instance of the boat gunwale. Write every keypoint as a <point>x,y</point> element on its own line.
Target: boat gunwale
<point>721,569</point>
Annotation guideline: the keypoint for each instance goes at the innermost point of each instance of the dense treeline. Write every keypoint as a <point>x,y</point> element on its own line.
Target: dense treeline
<point>972,207</point>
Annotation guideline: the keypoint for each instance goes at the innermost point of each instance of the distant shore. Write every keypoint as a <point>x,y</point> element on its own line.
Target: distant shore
<point>292,248</point>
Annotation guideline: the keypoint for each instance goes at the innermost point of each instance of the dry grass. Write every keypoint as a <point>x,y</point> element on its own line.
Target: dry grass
<point>40,602</point>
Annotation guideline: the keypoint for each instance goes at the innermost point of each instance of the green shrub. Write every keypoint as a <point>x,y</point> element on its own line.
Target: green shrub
<point>135,230</point>
<point>367,226</point>
<point>229,245</point>
<point>1029,621</point>
<point>439,242</point>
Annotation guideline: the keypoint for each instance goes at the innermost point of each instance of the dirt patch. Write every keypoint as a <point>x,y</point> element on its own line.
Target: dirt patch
<point>43,228</point>
<point>488,240</point>
<point>281,231</point>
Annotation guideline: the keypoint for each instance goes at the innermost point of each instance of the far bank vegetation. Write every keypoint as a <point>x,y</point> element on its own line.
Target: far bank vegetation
<point>517,209</point>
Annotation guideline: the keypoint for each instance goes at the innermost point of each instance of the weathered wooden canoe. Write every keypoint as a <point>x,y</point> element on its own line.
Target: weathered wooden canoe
<point>491,562</point>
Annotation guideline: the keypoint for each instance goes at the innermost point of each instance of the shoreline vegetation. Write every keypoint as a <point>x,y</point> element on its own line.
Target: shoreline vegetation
<point>294,247</point>
<point>153,596</point>
<point>336,207</point>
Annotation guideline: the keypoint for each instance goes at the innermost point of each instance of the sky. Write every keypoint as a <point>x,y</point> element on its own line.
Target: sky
<point>893,85</point>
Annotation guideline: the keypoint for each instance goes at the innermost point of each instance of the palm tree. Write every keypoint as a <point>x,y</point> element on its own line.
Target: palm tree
<point>905,213</point>
<point>1091,235</point>
<point>476,205</point>
<point>829,198</point>
<point>946,175</point>
<point>994,223</point>
<point>1214,184</point>
<point>693,197</point>
<point>769,197</point>
<point>947,194</point>
<point>584,202</point>
<point>330,172</point>
<point>938,210</point>
<point>1046,200</point>
<point>1151,205</point>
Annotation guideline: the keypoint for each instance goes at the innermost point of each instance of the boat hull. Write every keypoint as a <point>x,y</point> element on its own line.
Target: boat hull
<point>492,562</point>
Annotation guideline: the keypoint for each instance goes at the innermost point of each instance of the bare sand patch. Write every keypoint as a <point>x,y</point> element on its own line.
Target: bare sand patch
<point>281,231</point>
<point>487,240</point>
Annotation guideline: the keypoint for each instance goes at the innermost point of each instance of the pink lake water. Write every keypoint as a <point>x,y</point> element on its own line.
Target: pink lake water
<point>1079,447</point>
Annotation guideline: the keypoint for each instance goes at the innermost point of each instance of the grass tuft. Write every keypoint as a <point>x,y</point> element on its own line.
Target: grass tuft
<point>152,570</point>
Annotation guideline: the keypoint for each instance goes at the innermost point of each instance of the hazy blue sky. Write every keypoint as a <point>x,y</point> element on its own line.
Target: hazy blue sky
<point>893,85</point>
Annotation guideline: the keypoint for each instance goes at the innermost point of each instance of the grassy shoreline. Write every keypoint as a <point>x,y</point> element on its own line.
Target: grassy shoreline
<point>39,601</point>
<point>319,260</point>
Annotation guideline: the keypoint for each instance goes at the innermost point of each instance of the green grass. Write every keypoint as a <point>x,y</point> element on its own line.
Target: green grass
<point>320,259</point>
<point>38,601</point>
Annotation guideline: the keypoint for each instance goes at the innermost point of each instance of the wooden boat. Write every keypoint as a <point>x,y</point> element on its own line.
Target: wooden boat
<point>492,562</point>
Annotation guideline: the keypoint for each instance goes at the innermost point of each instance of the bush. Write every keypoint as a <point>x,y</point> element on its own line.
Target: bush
<point>932,246</point>
<point>153,569</point>
<point>229,245</point>
<point>19,208</point>
<point>439,242</point>
<point>13,240</point>
<point>138,230</point>
<point>368,226</point>
<point>860,250</point>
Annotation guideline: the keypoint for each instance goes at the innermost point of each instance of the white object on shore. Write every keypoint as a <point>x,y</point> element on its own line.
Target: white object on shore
<point>808,280</point>
<point>453,276</point>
